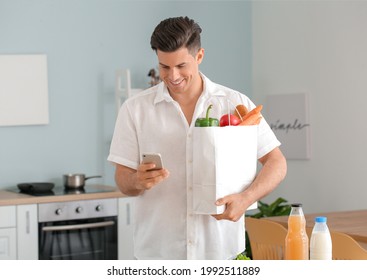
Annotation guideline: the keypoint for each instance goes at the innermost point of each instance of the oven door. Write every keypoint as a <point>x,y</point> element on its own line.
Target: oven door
<point>84,239</point>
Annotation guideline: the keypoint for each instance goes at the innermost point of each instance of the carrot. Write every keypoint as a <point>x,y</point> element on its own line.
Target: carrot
<point>258,120</point>
<point>256,110</point>
<point>254,119</point>
<point>240,111</point>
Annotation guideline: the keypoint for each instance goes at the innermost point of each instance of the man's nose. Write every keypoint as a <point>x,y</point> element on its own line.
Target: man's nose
<point>174,74</point>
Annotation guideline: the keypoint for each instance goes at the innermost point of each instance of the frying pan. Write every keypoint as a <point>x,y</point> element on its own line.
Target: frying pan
<point>35,187</point>
<point>76,180</point>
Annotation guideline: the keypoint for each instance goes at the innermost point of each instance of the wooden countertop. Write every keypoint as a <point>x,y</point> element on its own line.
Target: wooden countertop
<point>353,223</point>
<point>13,198</point>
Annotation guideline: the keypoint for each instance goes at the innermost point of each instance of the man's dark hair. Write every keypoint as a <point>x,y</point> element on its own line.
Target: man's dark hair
<point>174,33</point>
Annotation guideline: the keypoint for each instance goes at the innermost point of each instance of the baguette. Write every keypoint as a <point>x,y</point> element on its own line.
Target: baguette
<point>240,111</point>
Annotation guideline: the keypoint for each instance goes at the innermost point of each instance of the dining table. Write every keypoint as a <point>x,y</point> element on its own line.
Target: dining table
<point>353,223</point>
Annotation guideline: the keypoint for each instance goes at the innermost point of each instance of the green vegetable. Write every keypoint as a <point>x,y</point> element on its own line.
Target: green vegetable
<point>242,256</point>
<point>204,122</point>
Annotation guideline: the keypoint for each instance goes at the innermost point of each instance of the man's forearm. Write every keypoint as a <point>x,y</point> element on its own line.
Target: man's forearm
<point>273,171</point>
<point>125,179</point>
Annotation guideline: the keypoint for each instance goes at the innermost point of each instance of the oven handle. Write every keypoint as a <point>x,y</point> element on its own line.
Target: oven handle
<point>81,226</point>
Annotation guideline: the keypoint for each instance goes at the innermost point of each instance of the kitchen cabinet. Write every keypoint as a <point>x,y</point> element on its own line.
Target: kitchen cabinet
<point>8,244</point>
<point>27,232</point>
<point>18,232</point>
<point>125,228</point>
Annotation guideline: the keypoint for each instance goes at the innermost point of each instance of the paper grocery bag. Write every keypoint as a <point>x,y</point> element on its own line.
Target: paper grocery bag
<point>224,162</point>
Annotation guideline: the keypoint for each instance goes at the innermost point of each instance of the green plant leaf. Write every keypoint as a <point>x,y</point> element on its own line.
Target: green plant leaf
<point>273,206</point>
<point>277,208</point>
<point>283,211</point>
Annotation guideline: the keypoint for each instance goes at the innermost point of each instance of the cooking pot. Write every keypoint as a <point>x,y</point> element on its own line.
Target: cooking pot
<point>76,180</point>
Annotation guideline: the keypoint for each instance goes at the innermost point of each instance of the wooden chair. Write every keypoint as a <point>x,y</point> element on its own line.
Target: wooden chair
<point>346,248</point>
<point>267,238</point>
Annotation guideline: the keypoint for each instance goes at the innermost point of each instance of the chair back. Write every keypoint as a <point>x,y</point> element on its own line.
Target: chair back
<point>267,239</point>
<point>346,248</point>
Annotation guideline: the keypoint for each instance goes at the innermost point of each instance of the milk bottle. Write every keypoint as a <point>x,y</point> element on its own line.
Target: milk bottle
<point>320,244</point>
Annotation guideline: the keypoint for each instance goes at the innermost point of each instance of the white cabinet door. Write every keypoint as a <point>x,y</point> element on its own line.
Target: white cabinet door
<point>8,241</point>
<point>7,216</point>
<point>125,229</point>
<point>8,245</point>
<point>27,232</point>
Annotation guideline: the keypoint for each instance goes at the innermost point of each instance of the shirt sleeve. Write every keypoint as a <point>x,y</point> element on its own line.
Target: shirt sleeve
<point>124,148</point>
<point>267,141</point>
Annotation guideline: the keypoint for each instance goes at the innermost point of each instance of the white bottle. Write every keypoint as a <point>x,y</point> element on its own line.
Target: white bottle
<point>320,243</point>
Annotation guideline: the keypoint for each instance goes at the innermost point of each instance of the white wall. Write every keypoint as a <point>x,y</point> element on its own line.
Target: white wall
<point>318,47</point>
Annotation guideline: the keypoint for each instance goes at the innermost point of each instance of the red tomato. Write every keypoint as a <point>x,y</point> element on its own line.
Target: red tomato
<point>226,120</point>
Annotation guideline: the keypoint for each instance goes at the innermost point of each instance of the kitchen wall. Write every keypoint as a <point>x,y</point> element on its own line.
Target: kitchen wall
<point>86,41</point>
<point>318,47</point>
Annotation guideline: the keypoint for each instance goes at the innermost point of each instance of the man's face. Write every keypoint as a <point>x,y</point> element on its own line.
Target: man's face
<point>180,70</point>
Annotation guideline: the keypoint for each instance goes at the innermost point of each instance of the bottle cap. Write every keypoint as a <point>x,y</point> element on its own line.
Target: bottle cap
<point>320,219</point>
<point>296,204</point>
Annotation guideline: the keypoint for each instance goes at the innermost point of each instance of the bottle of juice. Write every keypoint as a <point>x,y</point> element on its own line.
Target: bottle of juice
<point>296,241</point>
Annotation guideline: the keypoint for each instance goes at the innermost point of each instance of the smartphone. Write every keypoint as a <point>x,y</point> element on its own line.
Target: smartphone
<point>153,158</point>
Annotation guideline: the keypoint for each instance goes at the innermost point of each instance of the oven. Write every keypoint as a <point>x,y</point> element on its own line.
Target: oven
<point>78,230</point>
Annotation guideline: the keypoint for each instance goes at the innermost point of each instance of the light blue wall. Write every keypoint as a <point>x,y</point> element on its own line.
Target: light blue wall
<point>85,42</point>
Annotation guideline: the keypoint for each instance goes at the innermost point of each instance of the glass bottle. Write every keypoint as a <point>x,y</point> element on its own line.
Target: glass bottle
<point>320,243</point>
<point>296,241</point>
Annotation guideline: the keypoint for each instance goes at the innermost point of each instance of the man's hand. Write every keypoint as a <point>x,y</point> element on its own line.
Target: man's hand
<point>134,182</point>
<point>147,178</point>
<point>234,207</point>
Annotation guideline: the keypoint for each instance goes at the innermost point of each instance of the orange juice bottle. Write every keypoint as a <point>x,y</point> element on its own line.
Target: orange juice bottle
<point>296,241</point>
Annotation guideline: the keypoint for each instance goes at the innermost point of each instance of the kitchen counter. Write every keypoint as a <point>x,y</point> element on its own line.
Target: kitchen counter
<point>13,198</point>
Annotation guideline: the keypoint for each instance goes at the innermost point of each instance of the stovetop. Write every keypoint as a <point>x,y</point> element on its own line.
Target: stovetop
<point>61,190</point>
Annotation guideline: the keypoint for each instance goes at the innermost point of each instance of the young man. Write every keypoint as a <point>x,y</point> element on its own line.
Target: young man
<point>161,120</point>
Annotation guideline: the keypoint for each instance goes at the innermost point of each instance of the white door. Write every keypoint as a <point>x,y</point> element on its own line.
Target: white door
<point>125,229</point>
<point>8,241</point>
<point>27,232</point>
<point>8,244</point>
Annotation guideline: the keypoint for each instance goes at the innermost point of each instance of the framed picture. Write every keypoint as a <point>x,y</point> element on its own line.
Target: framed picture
<point>288,117</point>
<point>23,90</point>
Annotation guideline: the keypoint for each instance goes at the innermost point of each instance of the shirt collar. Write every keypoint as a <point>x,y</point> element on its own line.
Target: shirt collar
<point>210,88</point>
<point>162,94</point>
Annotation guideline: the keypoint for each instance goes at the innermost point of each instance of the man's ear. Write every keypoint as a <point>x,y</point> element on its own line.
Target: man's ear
<point>200,55</point>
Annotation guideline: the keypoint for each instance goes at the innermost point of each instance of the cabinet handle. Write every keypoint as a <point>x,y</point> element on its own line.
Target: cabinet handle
<point>28,222</point>
<point>127,213</point>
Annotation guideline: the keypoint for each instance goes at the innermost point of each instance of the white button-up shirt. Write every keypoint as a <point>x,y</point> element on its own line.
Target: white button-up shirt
<point>165,226</point>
